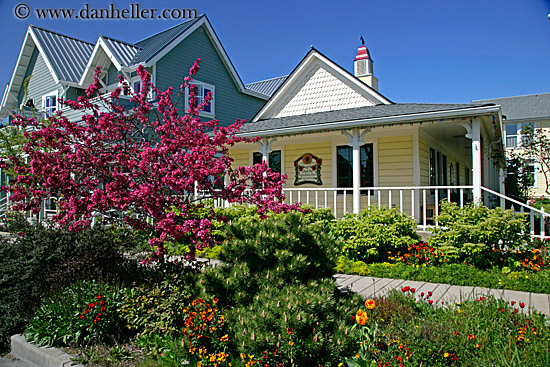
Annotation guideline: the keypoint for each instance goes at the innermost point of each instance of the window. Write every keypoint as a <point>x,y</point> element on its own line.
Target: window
<point>274,160</point>
<point>513,134</point>
<point>344,166</point>
<point>137,86</point>
<point>49,103</point>
<point>532,170</point>
<point>202,92</point>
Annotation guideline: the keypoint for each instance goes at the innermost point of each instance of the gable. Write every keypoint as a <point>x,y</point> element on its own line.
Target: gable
<point>316,85</point>
<point>320,91</point>
<point>230,102</point>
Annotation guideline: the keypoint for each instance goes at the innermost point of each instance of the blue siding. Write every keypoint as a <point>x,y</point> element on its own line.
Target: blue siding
<point>230,103</point>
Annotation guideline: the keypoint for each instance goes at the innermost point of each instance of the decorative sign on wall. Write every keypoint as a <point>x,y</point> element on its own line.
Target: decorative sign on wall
<point>308,170</point>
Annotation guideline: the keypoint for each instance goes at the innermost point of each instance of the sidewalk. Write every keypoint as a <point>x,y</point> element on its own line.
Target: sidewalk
<point>370,287</point>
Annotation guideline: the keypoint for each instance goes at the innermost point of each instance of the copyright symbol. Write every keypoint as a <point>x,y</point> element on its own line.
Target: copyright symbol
<point>22,11</point>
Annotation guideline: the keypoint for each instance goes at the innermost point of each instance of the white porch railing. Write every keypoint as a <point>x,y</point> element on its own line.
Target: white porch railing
<point>419,202</point>
<point>416,201</point>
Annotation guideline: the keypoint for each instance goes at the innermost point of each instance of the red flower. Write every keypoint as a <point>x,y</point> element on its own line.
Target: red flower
<point>422,294</point>
<point>430,301</point>
<point>430,294</point>
<point>513,303</point>
<point>522,304</point>
<point>405,289</point>
<point>413,290</point>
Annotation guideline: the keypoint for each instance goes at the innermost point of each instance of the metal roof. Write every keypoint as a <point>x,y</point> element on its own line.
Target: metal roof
<point>68,56</point>
<point>268,86</point>
<point>531,106</point>
<point>123,52</point>
<point>154,44</point>
<point>350,114</point>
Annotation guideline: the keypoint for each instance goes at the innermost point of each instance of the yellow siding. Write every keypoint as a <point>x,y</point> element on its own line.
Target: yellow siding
<point>241,157</point>
<point>424,163</point>
<point>395,161</point>
<point>321,150</point>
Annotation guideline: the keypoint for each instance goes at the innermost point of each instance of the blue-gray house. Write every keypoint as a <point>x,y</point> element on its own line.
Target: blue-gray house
<point>62,67</point>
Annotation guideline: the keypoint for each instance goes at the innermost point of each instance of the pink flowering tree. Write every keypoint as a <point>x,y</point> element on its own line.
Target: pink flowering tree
<point>150,166</point>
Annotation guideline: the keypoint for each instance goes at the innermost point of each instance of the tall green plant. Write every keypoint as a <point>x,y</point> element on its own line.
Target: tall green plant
<point>477,234</point>
<point>371,234</point>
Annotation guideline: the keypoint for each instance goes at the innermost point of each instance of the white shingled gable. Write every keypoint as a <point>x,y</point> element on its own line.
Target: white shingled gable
<point>318,85</point>
<point>320,91</point>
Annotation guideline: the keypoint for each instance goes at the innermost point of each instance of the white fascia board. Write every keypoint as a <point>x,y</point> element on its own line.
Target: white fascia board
<point>44,56</point>
<point>17,65</point>
<point>377,121</point>
<point>219,48</point>
<point>100,44</point>
<point>301,70</point>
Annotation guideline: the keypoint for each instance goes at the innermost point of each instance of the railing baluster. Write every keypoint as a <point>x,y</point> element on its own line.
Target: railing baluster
<point>532,220</point>
<point>368,198</point>
<point>389,199</point>
<point>424,209</point>
<point>345,202</point>
<point>436,212</point>
<point>300,196</point>
<point>335,192</point>
<point>542,225</point>
<point>290,197</point>
<point>307,197</point>
<point>379,199</point>
<point>462,198</point>
<point>316,199</point>
<point>412,204</point>
<point>401,201</point>
<point>326,197</point>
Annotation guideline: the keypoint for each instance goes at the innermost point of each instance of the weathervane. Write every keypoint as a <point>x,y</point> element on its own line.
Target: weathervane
<point>362,41</point>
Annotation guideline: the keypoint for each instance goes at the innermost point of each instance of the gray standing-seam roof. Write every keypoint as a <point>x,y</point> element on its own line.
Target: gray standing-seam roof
<point>154,44</point>
<point>123,52</point>
<point>268,86</point>
<point>68,56</point>
<point>350,114</point>
<point>523,107</point>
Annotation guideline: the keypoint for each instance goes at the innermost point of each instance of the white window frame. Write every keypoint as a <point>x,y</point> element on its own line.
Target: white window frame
<point>533,163</point>
<point>200,97</point>
<point>518,135</point>
<point>45,97</point>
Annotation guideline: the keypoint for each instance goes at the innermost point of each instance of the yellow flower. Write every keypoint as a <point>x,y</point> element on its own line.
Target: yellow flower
<point>361,317</point>
<point>291,343</point>
<point>446,355</point>
<point>370,304</point>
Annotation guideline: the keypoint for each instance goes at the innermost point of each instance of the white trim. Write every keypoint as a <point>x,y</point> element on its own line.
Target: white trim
<point>212,106</point>
<point>44,56</point>
<point>50,94</point>
<point>203,20</point>
<point>99,44</point>
<point>311,60</point>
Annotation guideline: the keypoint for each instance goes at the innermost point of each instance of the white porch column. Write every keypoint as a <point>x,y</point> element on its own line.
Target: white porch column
<point>502,187</point>
<point>265,148</point>
<point>476,159</point>
<point>356,141</point>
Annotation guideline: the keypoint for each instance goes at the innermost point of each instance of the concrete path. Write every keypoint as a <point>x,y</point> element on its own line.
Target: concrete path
<point>370,287</point>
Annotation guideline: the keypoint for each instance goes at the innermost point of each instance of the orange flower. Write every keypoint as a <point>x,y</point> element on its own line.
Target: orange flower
<point>370,304</point>
<point>361,317</point>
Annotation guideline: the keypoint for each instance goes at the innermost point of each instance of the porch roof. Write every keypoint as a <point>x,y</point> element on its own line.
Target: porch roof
<point>364,117</point>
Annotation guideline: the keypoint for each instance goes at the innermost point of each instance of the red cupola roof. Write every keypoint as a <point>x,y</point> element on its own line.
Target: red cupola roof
<point>362,53</point>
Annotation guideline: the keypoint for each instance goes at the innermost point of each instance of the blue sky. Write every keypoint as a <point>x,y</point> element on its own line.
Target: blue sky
<point>423,50</point>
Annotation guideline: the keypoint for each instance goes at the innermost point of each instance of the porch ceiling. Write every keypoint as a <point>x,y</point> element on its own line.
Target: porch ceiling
<point>448,133</point>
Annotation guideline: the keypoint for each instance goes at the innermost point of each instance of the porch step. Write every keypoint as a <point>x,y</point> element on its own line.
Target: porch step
<point>424,235</point>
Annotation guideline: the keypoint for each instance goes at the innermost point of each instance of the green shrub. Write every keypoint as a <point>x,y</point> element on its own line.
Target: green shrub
<point>40,261</point>
<point>88,312</point>
<point>477,234</point>
<point>277,251</point>
<point>309,324</point>
<point>371,234</point>
<point>156,306</point>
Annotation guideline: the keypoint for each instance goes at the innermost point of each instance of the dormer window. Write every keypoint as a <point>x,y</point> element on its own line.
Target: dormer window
<point>137,86</point>
<point>202,92</point>
<point>49,103</point>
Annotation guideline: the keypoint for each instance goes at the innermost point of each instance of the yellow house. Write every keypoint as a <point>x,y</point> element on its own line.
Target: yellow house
<point>518,111</point>
<point>344,146</point>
